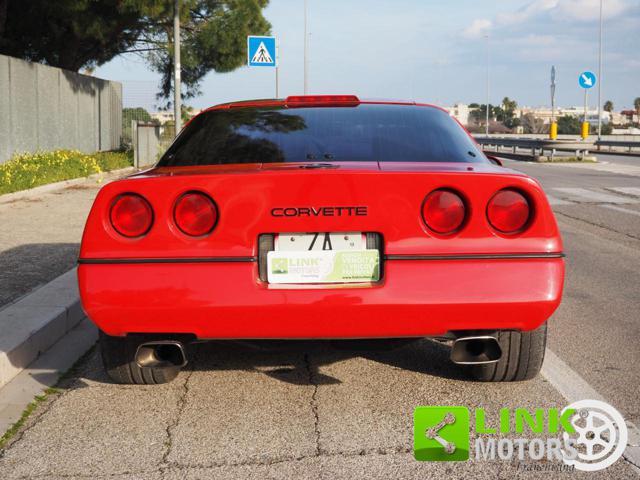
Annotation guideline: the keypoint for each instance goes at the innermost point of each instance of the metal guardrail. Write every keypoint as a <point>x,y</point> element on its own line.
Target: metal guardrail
<point>617,143</point>
<point>538,146</point>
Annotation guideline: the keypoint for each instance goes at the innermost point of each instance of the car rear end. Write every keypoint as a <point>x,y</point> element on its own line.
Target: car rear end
<point>323,218</point>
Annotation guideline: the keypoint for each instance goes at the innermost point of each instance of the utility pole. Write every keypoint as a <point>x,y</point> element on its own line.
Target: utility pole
<point>600,78</point>
<point>487,112</point>
<point>177,99</point>
<point>306,53</point>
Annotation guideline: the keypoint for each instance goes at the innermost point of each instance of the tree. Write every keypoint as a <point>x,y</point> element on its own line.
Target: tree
<point>76,34</point>
<point>569,125</point>
<point>608,106</point>
<point>508,113</point>
<point>532,124</point>
<point>636,105</point>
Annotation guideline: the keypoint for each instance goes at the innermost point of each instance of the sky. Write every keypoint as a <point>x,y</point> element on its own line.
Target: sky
<point>431,51</point>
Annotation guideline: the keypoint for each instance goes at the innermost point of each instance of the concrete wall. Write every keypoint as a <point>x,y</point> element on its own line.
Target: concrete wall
<point>46,108</point>
<point>146,144</point>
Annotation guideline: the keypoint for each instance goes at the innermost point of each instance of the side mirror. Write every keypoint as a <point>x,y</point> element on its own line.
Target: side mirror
<point>494,160</point>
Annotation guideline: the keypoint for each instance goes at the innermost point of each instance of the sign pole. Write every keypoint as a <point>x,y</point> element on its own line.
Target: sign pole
<point>585,124</point>
<point>306,52</point>
<point>553,128</point>
<point>600,77</point>
<point>177,99</point>
<point>277,68</point>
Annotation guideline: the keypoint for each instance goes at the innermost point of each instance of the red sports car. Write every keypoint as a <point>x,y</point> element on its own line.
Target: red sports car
<point>322,217</point>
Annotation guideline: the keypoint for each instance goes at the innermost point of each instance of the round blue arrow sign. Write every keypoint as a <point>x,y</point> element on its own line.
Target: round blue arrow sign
<point>587,79</point>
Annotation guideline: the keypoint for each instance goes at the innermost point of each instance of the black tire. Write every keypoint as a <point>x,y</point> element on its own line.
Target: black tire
<point>118,359</point>
<point>522,357</point>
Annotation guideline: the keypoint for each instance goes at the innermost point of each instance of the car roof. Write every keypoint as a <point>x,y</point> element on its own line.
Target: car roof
<point>282,102</point>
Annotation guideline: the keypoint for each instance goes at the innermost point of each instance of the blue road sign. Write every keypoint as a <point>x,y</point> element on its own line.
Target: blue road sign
<point>587,79</point>
<point>261,51</point>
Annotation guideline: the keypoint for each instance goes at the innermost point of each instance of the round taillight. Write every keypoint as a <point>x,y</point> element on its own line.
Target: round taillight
<point>195,214</point>
<point>131,215</point>
<point>508,211</point>
<point>443,211</point>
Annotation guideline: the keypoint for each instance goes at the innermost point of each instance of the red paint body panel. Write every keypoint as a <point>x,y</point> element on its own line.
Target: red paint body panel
<point>393,195</point>
<point>417,298</point>
<point>228,300</point>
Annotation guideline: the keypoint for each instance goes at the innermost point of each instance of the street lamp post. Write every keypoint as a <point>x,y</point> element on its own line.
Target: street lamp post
<point>306,47</point>
<point>177,99</point>
<point>487,109</point>
<point>600,77</point>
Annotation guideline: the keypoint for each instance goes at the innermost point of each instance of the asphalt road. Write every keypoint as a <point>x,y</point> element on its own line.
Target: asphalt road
<point>307,410</point>
<point>40,236</point>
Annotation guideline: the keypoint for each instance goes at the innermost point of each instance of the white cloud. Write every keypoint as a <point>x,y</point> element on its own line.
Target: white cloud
<point>588,10</point>
<point>557,10</point>
<point>478,27</point>
<point>528,11</point>
<point>535,40</point>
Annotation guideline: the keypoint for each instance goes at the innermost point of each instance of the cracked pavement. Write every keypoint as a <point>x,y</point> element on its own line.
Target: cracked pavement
<point>304,410</point>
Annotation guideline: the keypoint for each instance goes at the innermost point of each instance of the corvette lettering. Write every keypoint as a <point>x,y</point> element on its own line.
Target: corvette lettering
<point>359,211</point>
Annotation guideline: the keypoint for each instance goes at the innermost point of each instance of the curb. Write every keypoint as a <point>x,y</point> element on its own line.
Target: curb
<point>52,187</point>
<point>45,372</point>
<point>34,323</point>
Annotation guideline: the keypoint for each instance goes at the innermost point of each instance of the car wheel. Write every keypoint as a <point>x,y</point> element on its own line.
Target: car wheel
<point>118,358</point>
<point>522,357</point>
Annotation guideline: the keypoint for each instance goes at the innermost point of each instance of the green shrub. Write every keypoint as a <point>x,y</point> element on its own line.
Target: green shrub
<point>28,170</point>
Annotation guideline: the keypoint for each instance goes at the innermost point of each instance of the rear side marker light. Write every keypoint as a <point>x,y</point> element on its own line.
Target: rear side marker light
<point>508,211</point>
<point>443,211</point>
<point>195,214</point>
<point>131,215</point>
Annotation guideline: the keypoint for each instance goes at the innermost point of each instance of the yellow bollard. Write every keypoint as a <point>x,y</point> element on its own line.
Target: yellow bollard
<point>585,130</point>
<point>553,131</point>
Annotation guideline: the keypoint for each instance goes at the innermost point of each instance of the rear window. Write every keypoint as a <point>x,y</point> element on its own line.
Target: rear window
<point>379,133</point>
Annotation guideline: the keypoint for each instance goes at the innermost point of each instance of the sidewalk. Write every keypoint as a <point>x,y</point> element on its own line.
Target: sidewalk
<point>40,236</point>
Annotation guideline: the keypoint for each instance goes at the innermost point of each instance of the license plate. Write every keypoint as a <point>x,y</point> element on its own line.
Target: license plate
<point>323,266</point>
<point>295,242</point>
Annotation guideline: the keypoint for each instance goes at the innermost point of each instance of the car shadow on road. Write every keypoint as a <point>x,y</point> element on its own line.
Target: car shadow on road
<point>301,363</point>
<point>309,362</point>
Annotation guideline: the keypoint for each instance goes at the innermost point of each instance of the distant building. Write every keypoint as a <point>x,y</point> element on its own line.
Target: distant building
<point>460,111</point>
<point>544,113</point>
<point>165,116</point>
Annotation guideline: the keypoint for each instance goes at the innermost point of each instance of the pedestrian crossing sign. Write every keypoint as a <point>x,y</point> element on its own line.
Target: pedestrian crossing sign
<point>261,51</point>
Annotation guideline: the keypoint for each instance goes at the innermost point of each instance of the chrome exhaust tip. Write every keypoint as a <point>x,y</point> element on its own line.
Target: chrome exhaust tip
<point>161,354</point>
<point>475,350</point>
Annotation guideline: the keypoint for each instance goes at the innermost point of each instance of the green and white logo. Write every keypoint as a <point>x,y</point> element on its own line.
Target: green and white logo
<point>280,265</point>
<point>441,434</point>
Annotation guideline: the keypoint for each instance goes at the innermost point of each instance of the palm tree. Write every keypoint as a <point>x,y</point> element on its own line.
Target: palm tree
<point>608,106</point>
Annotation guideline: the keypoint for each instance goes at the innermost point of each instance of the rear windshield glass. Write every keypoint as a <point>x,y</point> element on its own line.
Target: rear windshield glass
<point>378,133</point>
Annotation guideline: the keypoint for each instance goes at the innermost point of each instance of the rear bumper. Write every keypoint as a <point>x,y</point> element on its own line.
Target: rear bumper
<point>227,300</point>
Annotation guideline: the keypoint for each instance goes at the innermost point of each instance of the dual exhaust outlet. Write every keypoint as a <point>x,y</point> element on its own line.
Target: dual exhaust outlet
<point>472,350</point>
<point>161,354</point>
<point>475,350</point>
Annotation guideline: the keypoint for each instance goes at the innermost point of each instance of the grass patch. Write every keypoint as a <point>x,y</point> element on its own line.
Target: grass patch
<point>27,412</point>
<point>567,159</point>
<point>38,399</point>
<point>28,170</point>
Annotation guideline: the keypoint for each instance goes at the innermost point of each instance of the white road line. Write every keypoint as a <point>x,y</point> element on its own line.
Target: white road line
<point>573,387</point>
<point>635,191</point>
<point>558,201</point>
<point>592,196</point>
<point>621,209</point>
